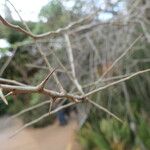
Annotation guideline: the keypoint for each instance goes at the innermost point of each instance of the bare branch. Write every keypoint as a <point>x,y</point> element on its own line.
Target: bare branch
<point>42,117</point>
<point>2,80</point>
<point>116,82</point>
<point>48,34</point>
<point>70,55</point>
<point>35,89</point>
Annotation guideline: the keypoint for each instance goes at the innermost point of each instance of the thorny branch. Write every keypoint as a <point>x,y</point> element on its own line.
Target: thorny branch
<point>40,89</point>
<point>13,87</point>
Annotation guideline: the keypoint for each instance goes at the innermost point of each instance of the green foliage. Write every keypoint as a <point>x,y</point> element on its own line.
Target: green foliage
<point>21,57</point>
<point>103,134</point>
<point>91,139</point>
<point>3,108</point>
<point>15,36</point>
<point>40,28</point>
<point>144,132</point>
<point>34,99</point>
<point>110,129</point>
<point>111,135</point>
<point>55,15</point>
<point>52,10</point>
<point>11,35</point>
<point>3,50</point>
<point>15,105</point>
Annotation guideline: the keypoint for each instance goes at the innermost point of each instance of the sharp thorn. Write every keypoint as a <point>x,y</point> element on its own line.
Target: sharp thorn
<point>3,97</point>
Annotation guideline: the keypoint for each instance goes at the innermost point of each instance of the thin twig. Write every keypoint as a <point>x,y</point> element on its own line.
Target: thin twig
<point>121,56</point>
<point>24,23</point>
<point>29,109</point>
<point>104,109</point>
<point>7,62</point>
